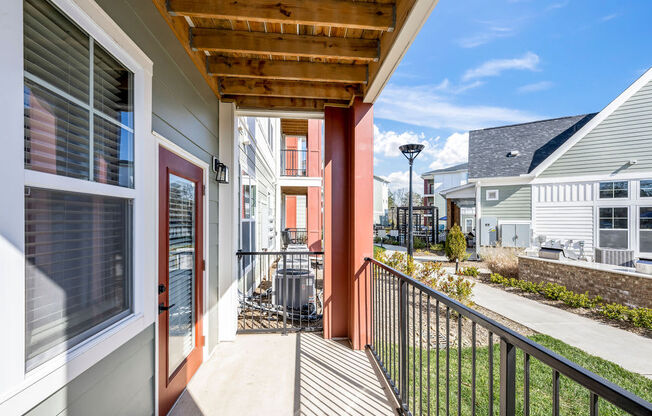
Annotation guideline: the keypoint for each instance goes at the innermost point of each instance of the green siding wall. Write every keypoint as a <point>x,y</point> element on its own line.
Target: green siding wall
<point>121,384</point>
<point>185,110</point>
<point>626,134</point>
<point>514,203</point>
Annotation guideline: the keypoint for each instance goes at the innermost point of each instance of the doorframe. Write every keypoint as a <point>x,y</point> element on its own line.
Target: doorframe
<point>161,141</point>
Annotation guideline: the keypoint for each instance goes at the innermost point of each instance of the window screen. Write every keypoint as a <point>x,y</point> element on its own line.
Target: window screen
<point>77,267</point>
<point>613,228</point>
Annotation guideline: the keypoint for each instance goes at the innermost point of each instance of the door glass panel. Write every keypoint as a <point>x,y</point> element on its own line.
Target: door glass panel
<point>181,271</point>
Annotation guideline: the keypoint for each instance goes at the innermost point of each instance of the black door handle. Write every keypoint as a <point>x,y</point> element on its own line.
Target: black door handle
<point>163,308</point>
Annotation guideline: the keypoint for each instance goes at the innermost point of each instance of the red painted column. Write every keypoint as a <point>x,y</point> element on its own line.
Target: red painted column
<point>361,168</point>
<point>348,222</point>
<point>336,225</point>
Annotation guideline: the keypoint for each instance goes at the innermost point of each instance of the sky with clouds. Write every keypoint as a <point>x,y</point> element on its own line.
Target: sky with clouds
<point>478,64</point>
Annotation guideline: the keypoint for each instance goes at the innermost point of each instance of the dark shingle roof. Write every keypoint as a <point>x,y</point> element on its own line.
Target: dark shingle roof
<point>461,166</point>
<point>535,141</point>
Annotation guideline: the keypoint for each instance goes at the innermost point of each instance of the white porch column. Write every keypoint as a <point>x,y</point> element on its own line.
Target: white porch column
<point>228,226</point>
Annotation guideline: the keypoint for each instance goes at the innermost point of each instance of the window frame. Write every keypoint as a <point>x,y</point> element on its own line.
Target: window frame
<point>620,198</point>
<point>640,187</point>
<point>20,389</point>
<point>628,229</point>
<point>639,229</point>
<point>489,191</point>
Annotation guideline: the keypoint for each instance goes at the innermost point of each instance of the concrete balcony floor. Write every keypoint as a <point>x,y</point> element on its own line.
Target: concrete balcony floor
<point>297,374</point>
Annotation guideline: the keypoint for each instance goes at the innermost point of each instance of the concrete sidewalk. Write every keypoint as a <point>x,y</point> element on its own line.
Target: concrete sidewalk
<point>630,351</point>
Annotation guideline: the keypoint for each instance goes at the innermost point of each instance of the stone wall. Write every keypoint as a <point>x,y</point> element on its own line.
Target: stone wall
<point>628,288</point>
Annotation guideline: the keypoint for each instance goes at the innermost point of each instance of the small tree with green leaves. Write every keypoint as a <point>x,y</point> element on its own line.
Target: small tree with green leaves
<point>456,246</point>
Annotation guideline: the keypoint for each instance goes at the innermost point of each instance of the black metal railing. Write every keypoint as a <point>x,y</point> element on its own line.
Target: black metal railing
<point>294,162</point>
<point>280,291</point>
<point>438,356</point>
<point>294,236</point>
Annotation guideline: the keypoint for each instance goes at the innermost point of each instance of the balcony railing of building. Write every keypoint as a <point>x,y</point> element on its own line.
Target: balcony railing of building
<point>294,162</point>
<point>457,374</point>
<point>291,236</point>
<point>280,291</point>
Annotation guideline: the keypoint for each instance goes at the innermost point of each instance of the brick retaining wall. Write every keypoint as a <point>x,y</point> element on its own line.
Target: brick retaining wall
<point>631,289</point>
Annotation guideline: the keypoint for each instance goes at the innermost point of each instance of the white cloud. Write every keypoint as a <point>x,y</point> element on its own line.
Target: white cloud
<point>492,33</point>
<point>609,17</point>
<point>454,151</point>
<point>400,180</point>
<point>537,86</point>
<point>386,143</point>
<point>425,106</point>
<point>494,67</point>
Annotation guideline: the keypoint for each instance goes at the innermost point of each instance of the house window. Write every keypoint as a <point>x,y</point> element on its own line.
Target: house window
<point>610,190</point>
<point>646,189</point>
<point>492,195</point>
<point>645,226</point>
<point>613,228</point>
<point>79,125</point>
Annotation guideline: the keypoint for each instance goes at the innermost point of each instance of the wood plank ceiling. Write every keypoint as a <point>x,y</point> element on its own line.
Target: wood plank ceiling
<point>286,54</point>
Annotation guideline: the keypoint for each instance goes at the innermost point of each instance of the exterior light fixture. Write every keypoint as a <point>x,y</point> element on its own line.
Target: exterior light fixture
<point>410,151</point>
<point>221,171</point>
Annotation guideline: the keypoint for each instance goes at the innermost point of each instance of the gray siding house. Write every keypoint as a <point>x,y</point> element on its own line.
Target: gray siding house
<point>581,182</point>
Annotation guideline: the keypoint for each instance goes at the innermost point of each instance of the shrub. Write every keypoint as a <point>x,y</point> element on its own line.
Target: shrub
<point>553,291</point>
<point>469,271</point>
<point>641,317</point>
<point>457,287</point>
<point>579,300</point>
<point>455,248</point>
<point>379,254</point>
<point>615,311</point>
<point>430,273</point>
<point>419,243</point>
<point>529,287</point>
<point>501,260</point>
<point>437,247</point>
<point>497,278</point>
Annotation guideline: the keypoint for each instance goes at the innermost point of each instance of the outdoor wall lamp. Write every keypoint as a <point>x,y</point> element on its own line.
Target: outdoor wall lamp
<point>221,171</point>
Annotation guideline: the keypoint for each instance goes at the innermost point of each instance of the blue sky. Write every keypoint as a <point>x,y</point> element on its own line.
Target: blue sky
<point>479,63</point>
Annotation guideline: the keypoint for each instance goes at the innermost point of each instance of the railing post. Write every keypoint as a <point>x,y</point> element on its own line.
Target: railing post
<point>285,297</point>
<point>403,367</point>
<point>507,378</point>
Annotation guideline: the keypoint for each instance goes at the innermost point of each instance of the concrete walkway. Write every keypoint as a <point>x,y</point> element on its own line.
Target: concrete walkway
<point>630,351</point>
<point>434,257</point>
<point>297,374</point>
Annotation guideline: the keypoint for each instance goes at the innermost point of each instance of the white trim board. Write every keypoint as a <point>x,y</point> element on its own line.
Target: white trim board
<point>594,122</point>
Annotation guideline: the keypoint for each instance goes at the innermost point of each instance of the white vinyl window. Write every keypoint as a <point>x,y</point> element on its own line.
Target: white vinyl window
<point>492,195</point>
<point>79,154</point>
<point>645,229</point>
<point>613,190</point>
<point>614,231</point>
<point>645,188</point>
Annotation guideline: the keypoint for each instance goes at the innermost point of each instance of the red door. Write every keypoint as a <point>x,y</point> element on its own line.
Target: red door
<point>181,269</point>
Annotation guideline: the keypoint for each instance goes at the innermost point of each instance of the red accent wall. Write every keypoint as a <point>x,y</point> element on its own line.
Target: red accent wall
<point>348,222</point>
<point>313,222</point>
<point>290,211</point>
<point>314,148</point>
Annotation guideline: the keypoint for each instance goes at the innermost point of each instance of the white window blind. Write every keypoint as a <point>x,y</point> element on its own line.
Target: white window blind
<point>79,123</point>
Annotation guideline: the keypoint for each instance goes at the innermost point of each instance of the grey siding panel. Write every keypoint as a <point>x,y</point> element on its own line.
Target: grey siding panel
<point>185,109</point>
<point>121,384</point>
<point>626,134</point>
<point>514,203</point>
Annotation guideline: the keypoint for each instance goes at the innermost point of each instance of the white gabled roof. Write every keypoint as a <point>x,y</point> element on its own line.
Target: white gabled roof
<point>595,121</point>
<point>459,192</point>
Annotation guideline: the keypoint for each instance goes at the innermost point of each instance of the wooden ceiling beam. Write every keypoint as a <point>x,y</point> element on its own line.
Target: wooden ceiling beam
<point>299,89</point>
<point>226,66</point>
<point>339,13</point>
<point>282,103</point>
<point>230,41</point>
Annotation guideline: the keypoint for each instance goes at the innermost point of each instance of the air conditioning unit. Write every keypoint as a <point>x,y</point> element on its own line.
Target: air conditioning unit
<point>617,257</point>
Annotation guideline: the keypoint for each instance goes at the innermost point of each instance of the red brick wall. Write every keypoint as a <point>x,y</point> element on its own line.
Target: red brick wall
<point>627,289</point>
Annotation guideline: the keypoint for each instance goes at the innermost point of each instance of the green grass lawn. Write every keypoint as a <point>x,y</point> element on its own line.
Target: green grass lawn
<point>574,400</point>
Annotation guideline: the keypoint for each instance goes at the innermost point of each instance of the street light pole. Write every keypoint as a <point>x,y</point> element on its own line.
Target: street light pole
<point>410,151</point>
